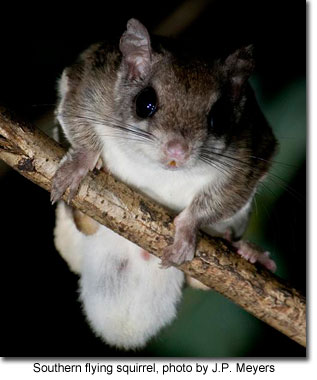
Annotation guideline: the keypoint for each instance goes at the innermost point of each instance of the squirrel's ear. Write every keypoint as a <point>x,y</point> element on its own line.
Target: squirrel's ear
<point>238,67</point>
<point>135,46</point>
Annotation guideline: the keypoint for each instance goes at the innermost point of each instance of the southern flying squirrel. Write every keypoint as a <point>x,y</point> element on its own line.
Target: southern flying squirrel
<point>184,130</point>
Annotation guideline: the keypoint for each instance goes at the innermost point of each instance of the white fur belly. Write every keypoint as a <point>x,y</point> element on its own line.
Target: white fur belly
<point>172,188</point>
<point>126,298</point>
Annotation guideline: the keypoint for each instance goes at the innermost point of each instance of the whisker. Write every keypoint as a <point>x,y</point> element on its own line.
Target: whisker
<point>122,127</point>
<point>214,163</point>
<point>224,163</point>
<point>274,178</point>
<point>274,162</point>
<point>245,163</point>
<point>115,120</point>
<point>125,137</point>
<point>256,205</point>
<point>268,189</point>
<point>232,150</point>
<point>208,151</point>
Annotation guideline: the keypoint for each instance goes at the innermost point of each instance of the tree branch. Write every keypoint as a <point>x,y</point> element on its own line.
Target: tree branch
<point>137,218</point>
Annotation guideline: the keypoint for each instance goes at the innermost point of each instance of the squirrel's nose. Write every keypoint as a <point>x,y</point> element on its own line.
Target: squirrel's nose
<point>177,149</point>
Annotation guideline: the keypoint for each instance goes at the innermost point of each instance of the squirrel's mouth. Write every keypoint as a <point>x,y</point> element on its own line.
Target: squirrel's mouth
<point>172,164</point>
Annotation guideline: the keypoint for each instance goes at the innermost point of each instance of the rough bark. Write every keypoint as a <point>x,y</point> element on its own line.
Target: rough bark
<point>137,218</point>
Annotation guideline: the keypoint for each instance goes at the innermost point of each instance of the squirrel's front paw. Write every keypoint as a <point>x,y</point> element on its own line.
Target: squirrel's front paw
<point>66,176</point>
<point>73,168</point>
<point>183,248</point>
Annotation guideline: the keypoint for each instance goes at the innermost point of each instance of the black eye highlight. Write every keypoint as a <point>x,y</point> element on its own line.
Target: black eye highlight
<point>146,103</point>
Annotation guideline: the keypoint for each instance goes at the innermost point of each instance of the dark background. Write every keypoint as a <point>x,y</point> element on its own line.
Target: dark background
<point>41,314</point>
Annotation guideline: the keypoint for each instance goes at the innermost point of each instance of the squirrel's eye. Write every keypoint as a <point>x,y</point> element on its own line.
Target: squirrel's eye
<point>217,117</point>
<point>146,103</point>
<point>220,118</point>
